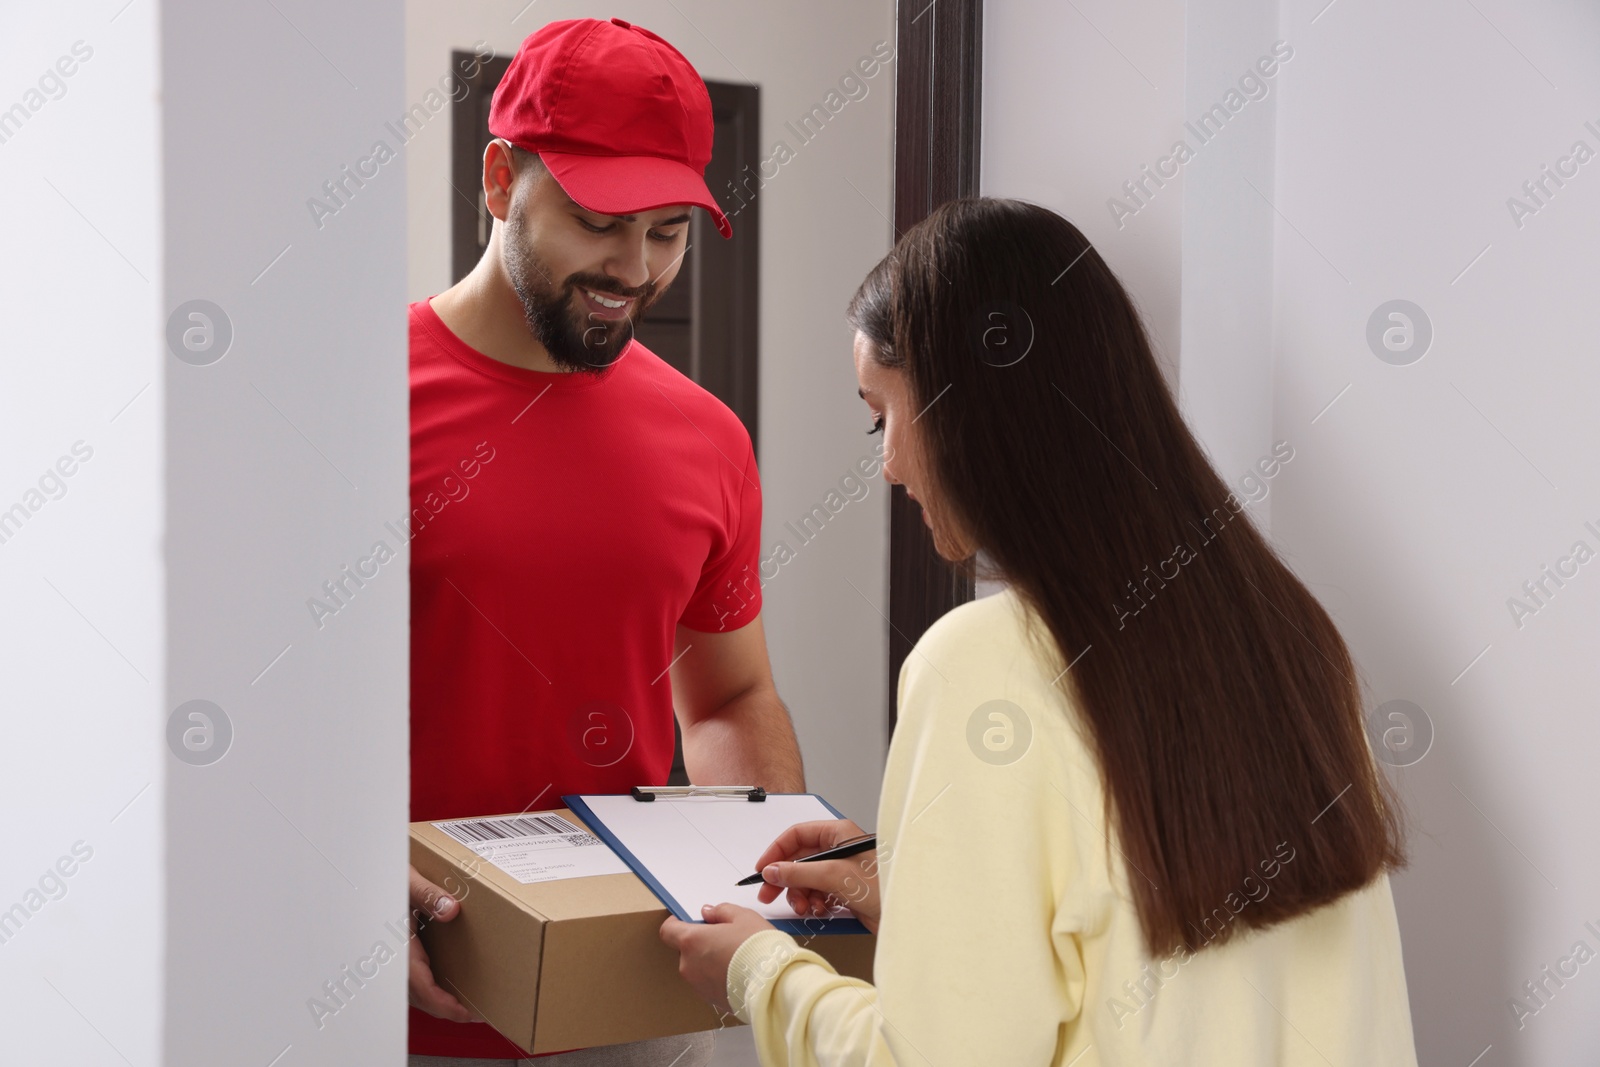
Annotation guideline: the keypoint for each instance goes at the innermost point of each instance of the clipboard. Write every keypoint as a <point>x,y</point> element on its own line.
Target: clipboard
<point>689,849</point>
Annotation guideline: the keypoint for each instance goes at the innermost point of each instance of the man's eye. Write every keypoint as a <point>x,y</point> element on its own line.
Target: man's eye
<point>664,238</point>
<point>591,227</point>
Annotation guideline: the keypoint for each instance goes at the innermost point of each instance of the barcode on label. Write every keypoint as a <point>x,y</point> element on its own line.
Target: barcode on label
<point>477,831</point>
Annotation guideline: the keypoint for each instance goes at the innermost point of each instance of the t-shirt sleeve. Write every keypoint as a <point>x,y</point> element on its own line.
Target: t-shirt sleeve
<point>728,596</point>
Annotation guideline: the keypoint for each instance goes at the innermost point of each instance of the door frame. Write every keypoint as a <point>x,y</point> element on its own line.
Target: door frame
<point>937,141</point>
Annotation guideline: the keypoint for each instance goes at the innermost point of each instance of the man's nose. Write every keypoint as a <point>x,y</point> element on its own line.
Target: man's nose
<point>630,270</point>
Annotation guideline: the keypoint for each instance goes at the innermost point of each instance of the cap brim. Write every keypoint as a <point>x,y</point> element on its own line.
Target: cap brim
<point>627,185</point>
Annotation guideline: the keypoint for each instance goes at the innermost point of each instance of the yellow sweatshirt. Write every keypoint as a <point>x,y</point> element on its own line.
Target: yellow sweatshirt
<point>1008,938</point>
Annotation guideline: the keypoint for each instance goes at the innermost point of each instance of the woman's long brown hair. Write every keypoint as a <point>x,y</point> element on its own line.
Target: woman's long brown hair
<point>1218,696</point>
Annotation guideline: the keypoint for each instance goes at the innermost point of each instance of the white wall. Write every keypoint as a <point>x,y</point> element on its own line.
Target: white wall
<point>1110,78</point>
<point>1426,494</point>
<point>82,646</point>
<point>214,490</point>
<point>1429,493</point>
<point>823,225</point>
<point>286,858</point>
<point>1123,84</point>
<point>1225,350</point>
<point>226,878</point>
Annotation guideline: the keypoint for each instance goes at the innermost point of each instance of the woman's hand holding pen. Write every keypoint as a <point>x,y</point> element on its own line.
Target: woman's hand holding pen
<point>706,949</point>
<point>814,888</point>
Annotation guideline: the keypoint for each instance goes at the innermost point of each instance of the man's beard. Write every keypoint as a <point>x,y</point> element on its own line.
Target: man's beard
<point>574,340</point>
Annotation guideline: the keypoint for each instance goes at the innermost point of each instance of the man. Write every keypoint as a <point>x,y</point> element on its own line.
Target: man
<point>586,520</point>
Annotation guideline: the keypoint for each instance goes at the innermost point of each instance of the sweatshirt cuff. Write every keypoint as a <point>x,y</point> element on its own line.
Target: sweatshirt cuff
<point>755,963</point>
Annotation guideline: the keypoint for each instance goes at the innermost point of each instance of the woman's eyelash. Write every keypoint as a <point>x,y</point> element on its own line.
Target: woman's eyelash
<point>877,425</point>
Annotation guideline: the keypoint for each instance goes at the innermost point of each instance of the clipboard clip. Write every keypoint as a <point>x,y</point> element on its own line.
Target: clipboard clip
<point>648,793</point>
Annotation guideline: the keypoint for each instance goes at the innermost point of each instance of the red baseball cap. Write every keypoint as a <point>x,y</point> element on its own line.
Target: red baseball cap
<point>619,117</point>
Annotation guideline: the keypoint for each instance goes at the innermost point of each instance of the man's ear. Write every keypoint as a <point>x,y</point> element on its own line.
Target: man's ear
<point>499,173</point>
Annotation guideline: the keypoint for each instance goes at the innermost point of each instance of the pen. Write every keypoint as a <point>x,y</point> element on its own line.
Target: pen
<point>849,848</point>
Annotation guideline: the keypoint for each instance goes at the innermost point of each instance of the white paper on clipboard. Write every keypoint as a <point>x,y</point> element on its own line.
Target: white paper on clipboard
<point>697,847</point>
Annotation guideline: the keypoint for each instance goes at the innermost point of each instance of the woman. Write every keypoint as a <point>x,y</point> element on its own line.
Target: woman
<point>1129,814</point>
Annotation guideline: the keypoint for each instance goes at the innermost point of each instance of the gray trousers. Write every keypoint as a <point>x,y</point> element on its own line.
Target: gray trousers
<point>684,1050</point>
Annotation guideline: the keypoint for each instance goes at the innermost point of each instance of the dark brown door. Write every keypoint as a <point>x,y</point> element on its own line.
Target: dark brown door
<point>938,82</point>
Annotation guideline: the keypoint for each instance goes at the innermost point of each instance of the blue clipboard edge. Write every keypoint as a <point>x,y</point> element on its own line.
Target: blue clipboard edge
<point>798,927</point>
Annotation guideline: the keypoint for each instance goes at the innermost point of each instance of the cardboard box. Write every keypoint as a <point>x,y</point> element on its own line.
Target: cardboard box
<point>571,963</point>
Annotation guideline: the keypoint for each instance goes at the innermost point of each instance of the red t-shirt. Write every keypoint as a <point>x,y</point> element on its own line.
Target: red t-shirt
<point>562,526</point>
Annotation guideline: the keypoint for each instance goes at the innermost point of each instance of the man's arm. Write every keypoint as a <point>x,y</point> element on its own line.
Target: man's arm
<point>735,729</point>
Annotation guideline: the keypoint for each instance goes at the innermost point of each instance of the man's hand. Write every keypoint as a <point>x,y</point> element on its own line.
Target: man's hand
<point>422,991</point>
<point>815,888</point>
<point>704,951</point>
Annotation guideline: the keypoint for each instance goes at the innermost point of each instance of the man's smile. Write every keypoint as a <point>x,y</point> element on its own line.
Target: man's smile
<point>602,306</point>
